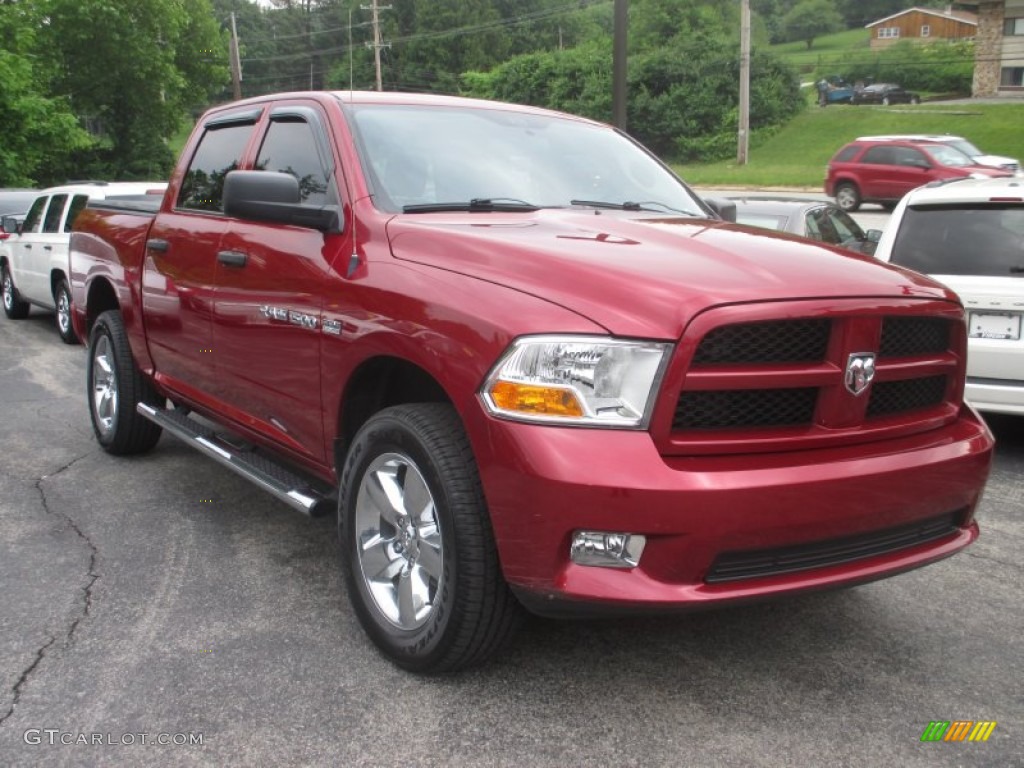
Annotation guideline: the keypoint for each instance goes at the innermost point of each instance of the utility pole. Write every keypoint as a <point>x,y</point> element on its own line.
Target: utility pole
<point>619,34</point>
<point>377,44</point>
<point>744,117</point>
<point>236,61</point>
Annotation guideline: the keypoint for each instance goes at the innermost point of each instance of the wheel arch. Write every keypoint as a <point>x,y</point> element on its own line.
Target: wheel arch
<point>377,383</point>
<point>101,296</point>
<point>56,275</point>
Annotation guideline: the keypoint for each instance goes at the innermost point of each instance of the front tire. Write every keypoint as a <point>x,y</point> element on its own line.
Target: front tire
<point>419,554</point>
<point>115,388</point>
<point>14,307</point>
<point>848,196</point>
<point>62,303</point>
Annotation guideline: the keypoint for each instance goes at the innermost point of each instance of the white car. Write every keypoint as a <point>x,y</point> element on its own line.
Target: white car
<point>34,257</point>
<point>969,234</point>
<point>959,142</point>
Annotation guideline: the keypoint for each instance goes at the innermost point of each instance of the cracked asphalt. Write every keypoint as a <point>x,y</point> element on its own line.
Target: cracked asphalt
<point>163,595</point>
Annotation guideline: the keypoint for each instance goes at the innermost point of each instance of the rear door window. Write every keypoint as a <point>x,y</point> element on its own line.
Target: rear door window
<point>51,222</point>
<point>219,152</point>
<point>983,240</point>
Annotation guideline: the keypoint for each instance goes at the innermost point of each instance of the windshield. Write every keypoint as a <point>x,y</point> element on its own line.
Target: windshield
<point>425,156</point>
<point>966,147</point>
<point>962,240</point>
<point>948,155</point>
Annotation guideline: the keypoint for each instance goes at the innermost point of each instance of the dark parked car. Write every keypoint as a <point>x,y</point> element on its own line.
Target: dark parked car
<point>883,171</point>
<point>884,93</point>
<point>814,219</point>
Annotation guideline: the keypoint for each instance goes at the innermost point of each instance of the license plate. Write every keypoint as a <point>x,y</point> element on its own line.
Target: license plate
<point>994,325</point>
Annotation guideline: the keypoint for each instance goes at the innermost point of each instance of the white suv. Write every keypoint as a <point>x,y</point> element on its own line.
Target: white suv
<point>969,234</point>
<point>34,257</point>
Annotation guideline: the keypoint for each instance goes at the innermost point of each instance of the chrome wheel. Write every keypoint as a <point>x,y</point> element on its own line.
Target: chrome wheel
<point>8,292</point>
<point>398,541</point>
<point>104,387</point>
<point>63,311</point>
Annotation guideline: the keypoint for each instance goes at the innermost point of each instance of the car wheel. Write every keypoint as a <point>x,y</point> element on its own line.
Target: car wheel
<point>419,555</point>
<point>14,307</point>
<point>885,101</point>
<point>116,387</point>
<point>915,99</point>
<point>62,302</point>
<point>848,196</point>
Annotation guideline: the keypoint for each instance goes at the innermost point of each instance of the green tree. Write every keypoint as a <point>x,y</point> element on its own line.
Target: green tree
<point>133,69</point>
<point>809,19</point>
<point>40,133</point>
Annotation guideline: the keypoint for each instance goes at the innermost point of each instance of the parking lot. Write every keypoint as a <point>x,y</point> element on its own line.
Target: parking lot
<point>163,599</point>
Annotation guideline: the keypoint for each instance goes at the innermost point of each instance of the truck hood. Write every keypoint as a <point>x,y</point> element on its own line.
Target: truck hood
<point>641,275</point>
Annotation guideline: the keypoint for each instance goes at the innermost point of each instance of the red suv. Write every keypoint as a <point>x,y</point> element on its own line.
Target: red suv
<point>882,171</point>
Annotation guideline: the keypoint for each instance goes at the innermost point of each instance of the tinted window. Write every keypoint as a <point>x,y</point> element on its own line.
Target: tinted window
<point>879,156</point>
<point>846,153</point>
<point>35,214</point>
<point>220,151</point>
<point>909,157</point>
<point>77,204</point>
<point>290,147</point>
<point>51,223</point>
<point>962,240</point>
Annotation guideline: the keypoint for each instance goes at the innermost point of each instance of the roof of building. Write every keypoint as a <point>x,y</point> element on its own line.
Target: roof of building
<point>964,16</point>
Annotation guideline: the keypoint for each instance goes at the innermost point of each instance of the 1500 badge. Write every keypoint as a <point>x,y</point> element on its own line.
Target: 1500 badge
<point>301,319</point>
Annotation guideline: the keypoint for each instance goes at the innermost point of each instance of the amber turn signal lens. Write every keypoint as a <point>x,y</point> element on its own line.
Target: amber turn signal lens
<point>529,398</point>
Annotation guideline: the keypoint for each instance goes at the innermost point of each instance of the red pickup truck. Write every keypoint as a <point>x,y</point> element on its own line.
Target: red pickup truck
<point>527,366</point>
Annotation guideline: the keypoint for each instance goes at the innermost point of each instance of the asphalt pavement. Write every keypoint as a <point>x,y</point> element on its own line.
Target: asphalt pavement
<point>162,599</point>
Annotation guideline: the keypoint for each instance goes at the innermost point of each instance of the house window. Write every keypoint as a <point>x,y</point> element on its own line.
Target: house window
<point>926,30</point>
<point>884,32</point>
<point>1013,26</point>
<point>1012,77</point>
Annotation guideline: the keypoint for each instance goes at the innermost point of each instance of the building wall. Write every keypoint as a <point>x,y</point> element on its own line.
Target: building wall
<point>1012,57</point>
<point>988,45</point>
<point>910,24</point>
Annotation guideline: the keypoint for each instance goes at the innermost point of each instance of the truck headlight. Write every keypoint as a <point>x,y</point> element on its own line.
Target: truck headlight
<point>577,380</point>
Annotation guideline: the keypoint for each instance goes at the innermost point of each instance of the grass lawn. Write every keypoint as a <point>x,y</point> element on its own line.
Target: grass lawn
<point>797,155</point>
<point>825,49</point>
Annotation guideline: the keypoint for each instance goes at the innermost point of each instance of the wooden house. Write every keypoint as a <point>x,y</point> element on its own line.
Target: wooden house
<point>923,25</point>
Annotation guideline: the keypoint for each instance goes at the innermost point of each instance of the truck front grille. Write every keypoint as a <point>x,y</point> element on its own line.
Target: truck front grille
<point>775,341</point>
<point>748,384</point>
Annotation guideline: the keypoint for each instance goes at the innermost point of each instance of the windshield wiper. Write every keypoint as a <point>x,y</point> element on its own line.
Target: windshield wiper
<point>629,205</point>
<point>476,205</point>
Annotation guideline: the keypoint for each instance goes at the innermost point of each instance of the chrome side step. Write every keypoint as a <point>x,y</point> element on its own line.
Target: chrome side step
<point>281,482</point>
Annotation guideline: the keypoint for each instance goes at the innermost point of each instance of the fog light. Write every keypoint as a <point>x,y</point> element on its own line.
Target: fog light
<point>607,550</point>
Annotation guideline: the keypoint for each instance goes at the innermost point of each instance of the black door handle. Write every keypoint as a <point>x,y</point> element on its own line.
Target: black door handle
<point>157,245</point>
<point>232,258</point>
<point>47,247</point>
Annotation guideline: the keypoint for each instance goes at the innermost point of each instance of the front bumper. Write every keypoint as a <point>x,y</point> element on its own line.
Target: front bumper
<point>544,483</point>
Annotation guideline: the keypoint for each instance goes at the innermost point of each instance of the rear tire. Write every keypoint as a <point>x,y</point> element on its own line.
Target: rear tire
<point>418,550</point>
<point>115,388</point>
<point>848,196</point>
<point>62,303</point>
<point>14,307</point>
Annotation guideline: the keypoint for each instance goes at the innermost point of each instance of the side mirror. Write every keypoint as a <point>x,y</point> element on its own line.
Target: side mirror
<point>275,197</point>
<point>10,225</point>
<point>723,207</point>
<point>873,235</point>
